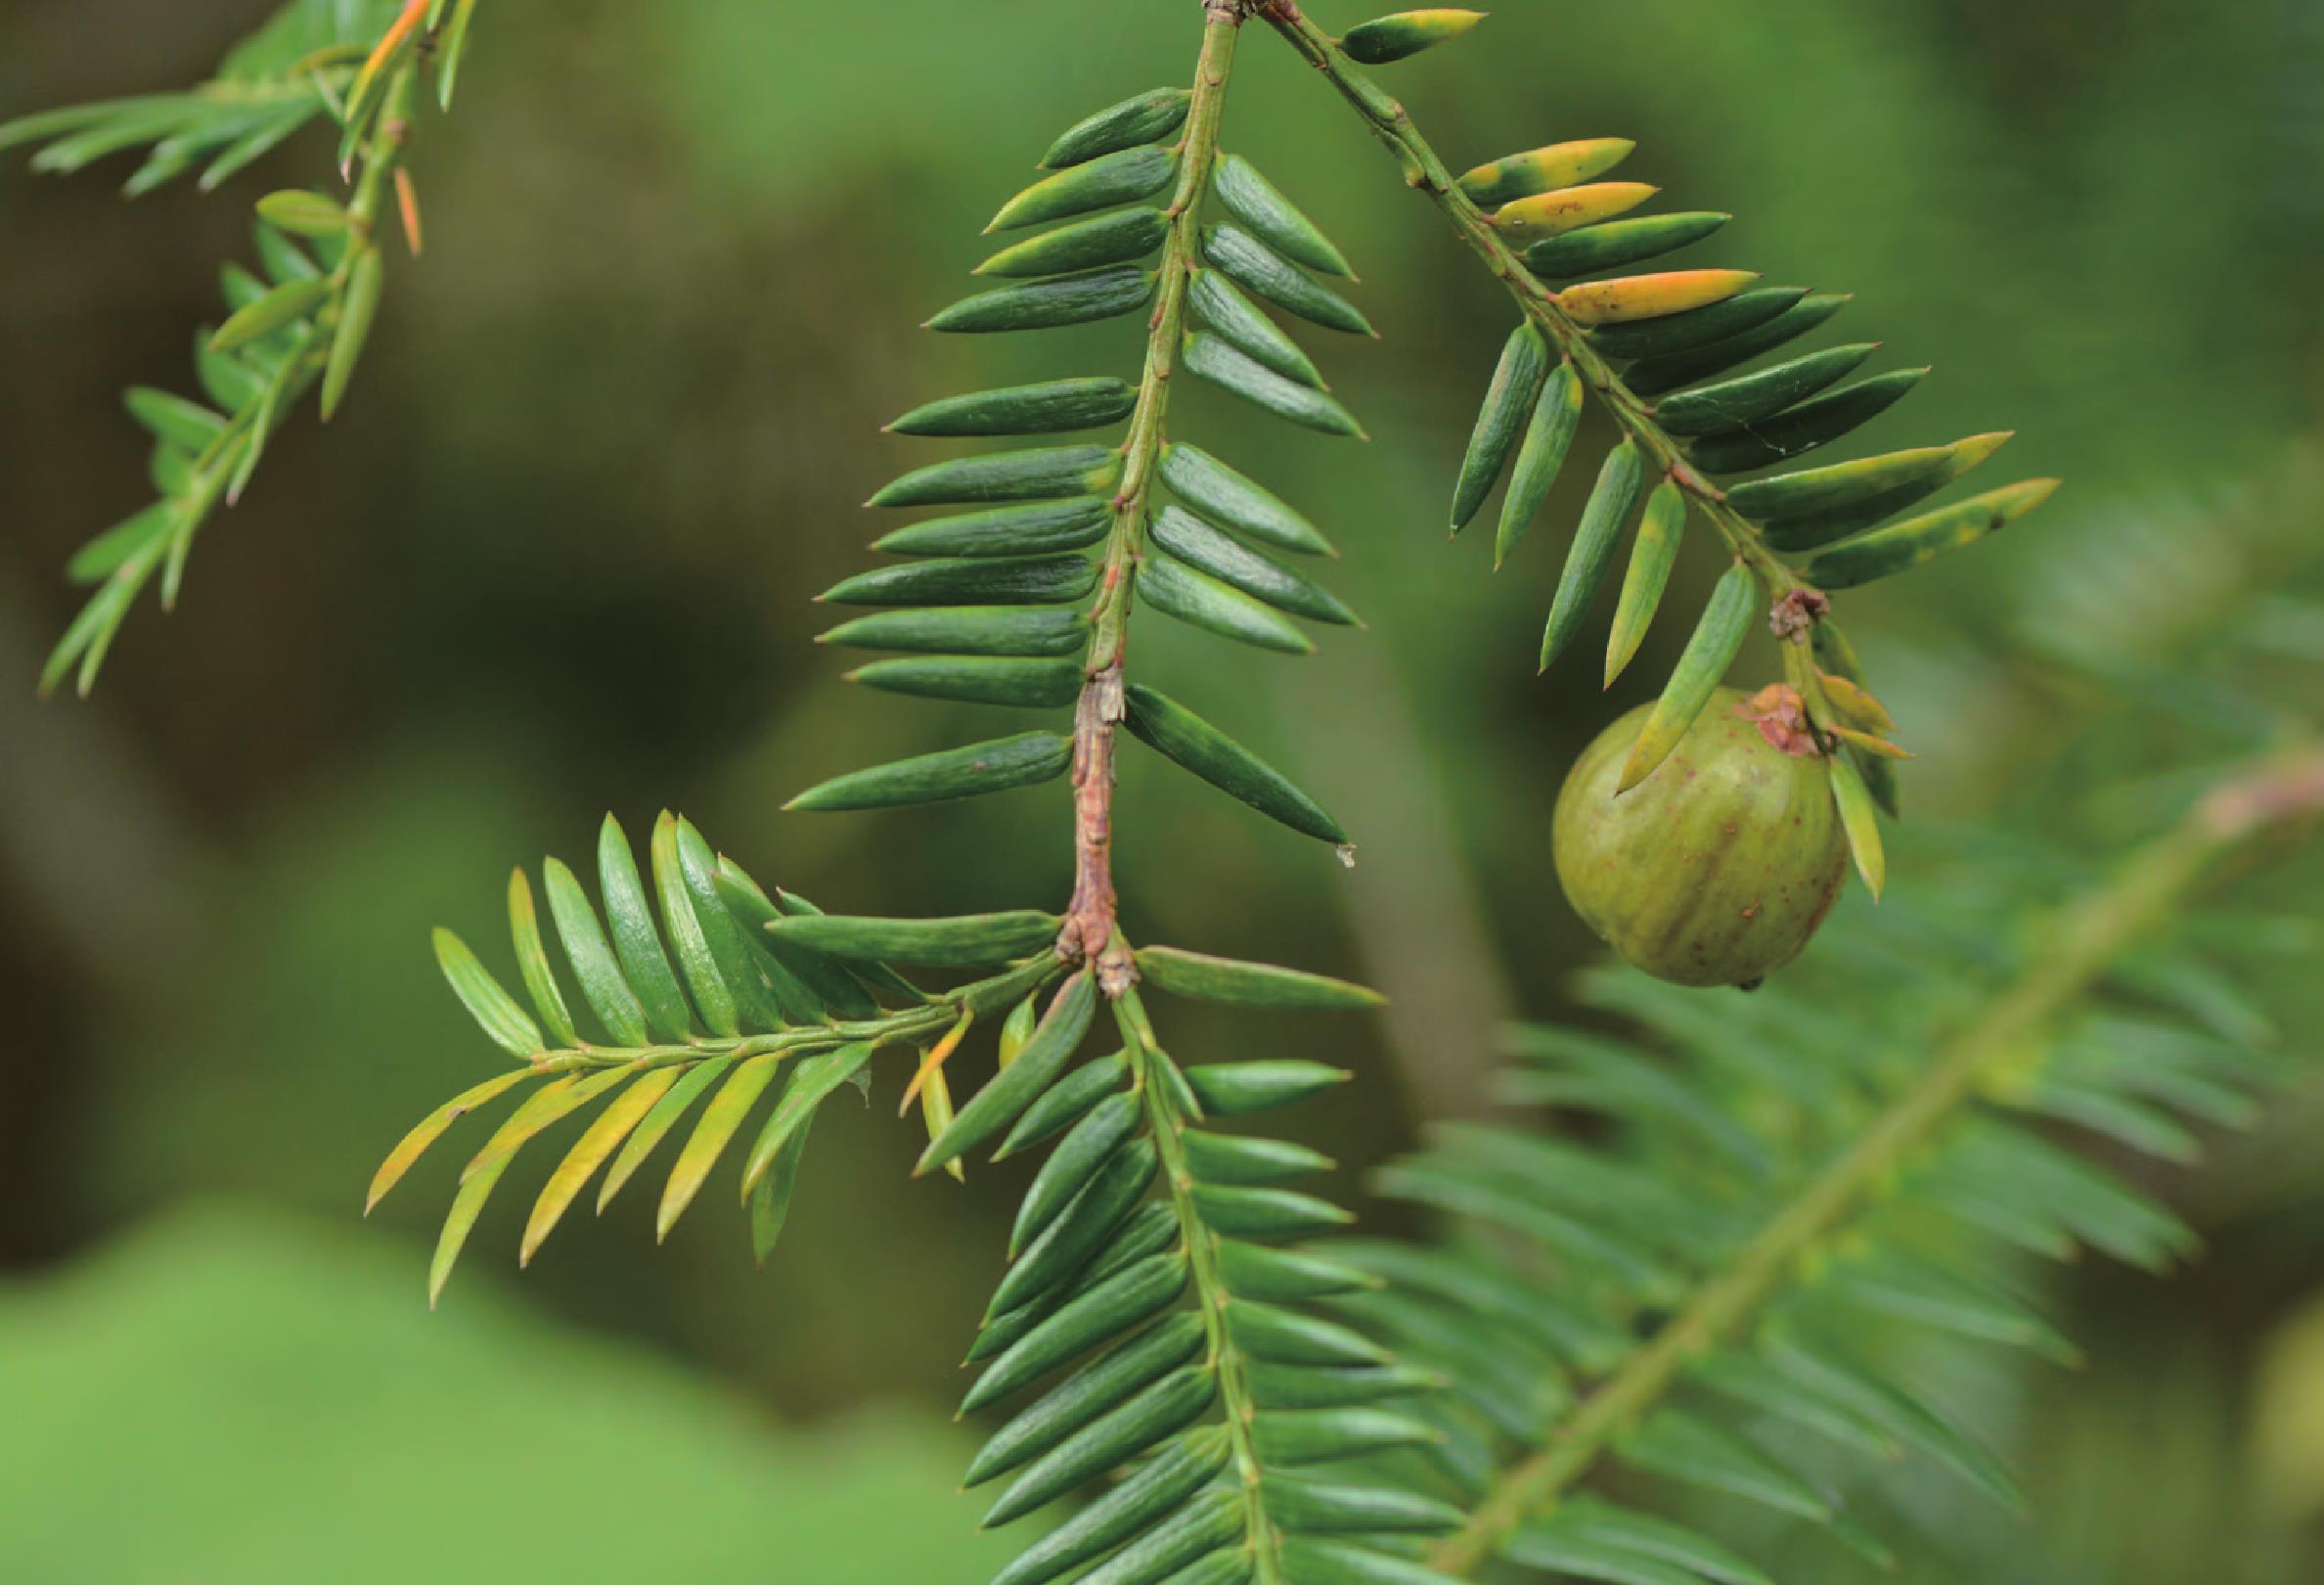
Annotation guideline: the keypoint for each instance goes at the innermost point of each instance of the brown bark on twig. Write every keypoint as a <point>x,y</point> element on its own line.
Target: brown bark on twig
<point>1089,919</point>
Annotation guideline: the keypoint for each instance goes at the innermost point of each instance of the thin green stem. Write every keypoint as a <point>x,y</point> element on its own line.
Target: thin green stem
<point>223,468</point>
<point>383,152</point>
<point>2083,942</point>
<point>904,1026</point>
<point>1424,170</point>
<point>1238,1401</point>
<point>1090,919</point>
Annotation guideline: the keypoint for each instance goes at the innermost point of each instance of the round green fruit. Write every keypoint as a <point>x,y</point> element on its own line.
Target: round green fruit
<point>1718,868</point>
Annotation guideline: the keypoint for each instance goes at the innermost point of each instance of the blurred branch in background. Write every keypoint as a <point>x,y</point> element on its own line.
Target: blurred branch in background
<point>103,879</point>
<point>1414,910</point>
<point>98,851</point>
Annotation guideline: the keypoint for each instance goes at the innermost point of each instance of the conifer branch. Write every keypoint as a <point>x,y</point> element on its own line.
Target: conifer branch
<point>2083,942</point>
<point>1187,1349</point>
<point>905,1026</point>
<point>1791,403</point>
<point>1090,919</point>
<point>300,325</point>
<point>1237,1402</point>
<point>1425,170</point>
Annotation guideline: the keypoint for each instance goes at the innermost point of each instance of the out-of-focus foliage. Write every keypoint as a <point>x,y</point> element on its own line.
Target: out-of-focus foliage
<point>616,429</point>
<point>231,1394</point>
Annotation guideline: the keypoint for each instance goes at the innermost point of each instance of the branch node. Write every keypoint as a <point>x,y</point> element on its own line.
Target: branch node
<point>1089,934</point>
<point>1795,614</point>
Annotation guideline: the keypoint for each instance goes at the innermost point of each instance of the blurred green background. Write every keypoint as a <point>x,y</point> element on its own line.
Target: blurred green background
<point>555,558</point>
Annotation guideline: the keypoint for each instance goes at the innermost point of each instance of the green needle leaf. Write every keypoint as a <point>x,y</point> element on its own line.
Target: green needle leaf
<point>1055,407</point>
<point>720,1121</point>
<point>431,1128</point>
<point>532,959</point>
<point>1592,558</point>
<point>357,310</point>
<point>1547,439</point>
<point>658,1122</point>
<point>1255,201</point>
<point>1146,119</point>
<point>493,1008</point>
<point>815,1082</point>
<point>1718,638</point>
<point>1511,400</point>
<point>997,1105</point>
<point>1122,177</point>
<point>968,941</point>
<point>595,965</point>
<point>1885,551</point>
<point>1651,560</point>
<point>1863,822</point>
<point>1202,977</point>
<point>1024,760</point>
<point>1180,735</point>
<point>1388,40</point>
<point>643,964</point>
<point>602,1137</point>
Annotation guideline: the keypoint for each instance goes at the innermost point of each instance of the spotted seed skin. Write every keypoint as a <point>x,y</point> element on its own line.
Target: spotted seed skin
<point>1716,870</point>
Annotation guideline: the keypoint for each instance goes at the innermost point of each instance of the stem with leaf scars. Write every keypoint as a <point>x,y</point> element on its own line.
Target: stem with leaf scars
<point>2083,942</point>
<point>1090,919</point>
<point>224,468</point>
<point>1794,605</point>
<point>381,156</point>
<point>1238,1401</point>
